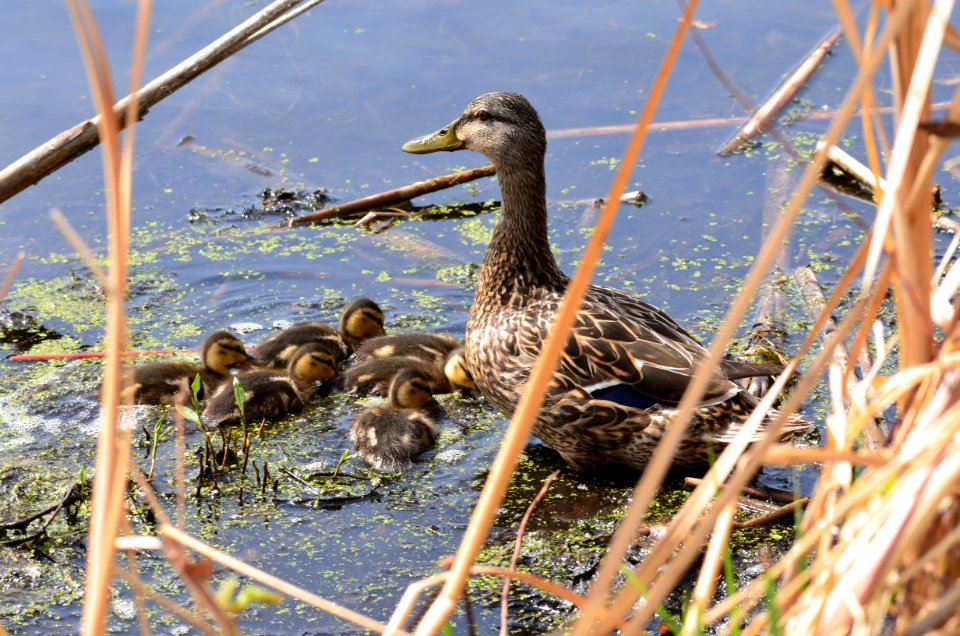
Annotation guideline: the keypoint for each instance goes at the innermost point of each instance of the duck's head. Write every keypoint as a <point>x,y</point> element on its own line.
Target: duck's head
<point>312,363</point>
<point>457,372</point>
<point>410,389</point>
<point>361,319</point>
<point>222,351</point>
<point>503,126</point>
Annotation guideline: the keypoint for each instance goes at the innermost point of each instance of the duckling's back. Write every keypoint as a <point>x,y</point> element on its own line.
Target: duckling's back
<point>388,438</point>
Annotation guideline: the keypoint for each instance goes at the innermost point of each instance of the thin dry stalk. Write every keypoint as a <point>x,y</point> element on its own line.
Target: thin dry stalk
<point>527,409</point>
<point>516,548</point>
<point>113,445</point>
<point>146,591</point>
<point>12,274</point>
<point>712,560</point>
<point>80,246</point>
<point>413,592</point>
<point>176,536</point>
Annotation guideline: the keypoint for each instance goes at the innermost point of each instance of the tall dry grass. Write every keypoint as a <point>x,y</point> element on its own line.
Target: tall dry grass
<point>879,549</point>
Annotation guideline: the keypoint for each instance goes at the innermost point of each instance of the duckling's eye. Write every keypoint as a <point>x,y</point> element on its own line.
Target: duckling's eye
<point>482,115</point>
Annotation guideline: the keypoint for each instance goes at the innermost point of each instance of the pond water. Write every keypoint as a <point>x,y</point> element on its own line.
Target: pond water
<point>326,102</point>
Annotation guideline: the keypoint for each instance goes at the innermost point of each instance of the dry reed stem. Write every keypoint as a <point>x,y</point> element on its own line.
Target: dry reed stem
<point>12,274</point>
<point>178,537</point>
<point>410,596</point>
<point>79,246</point>
<point>527,409</point>
<point>913,245</point>
<point>114,441</point>
<point>147,591</point>
<point>505,595</point>
<point>654,472</point>
<point>712,560</point>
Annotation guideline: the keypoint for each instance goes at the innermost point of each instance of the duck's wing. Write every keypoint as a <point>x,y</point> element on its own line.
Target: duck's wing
<point>625,351</point>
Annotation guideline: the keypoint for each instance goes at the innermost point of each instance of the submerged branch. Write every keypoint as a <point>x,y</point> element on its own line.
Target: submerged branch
<point>391,197</point>
<point>764,116</point>
<point>71,143</point>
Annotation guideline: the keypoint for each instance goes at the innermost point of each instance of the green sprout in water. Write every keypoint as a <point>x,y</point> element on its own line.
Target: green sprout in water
<point>670,621</point>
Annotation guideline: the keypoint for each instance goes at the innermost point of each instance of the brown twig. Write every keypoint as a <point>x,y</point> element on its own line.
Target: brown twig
<point>391,197</point>
<point>773,515</point>
<point>70,144</point>
<point>73,494</point>
<point>773,494</point>
<point>516,548</point>
<point>764,116</point>
<point>12,274</point>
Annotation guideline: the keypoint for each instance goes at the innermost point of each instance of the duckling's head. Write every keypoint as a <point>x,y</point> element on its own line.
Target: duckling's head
<point>361,319</point>
<point>312,363</point>
<point>457,372</point>
<point>223,351</point>
<point>503,126</point>
<point>410,389</point>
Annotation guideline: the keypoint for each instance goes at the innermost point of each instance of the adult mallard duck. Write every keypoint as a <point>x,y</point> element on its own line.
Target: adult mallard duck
<point>270,394</point>
<point>389,437</point>
<point>359,320</point>
<point>169,382</point>
<point>626,364</point>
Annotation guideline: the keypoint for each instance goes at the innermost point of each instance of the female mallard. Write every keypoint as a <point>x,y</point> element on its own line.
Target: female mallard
<point>169,382</point>
<point>388,438</point>
<point>360,320</point>
<point>270,394</point>
<point>626,364</point>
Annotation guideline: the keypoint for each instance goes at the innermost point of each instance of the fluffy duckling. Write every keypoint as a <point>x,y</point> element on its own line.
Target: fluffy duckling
<point>374,375</point>
<point>388,438</point>
<point>360,320</point>
<point>429,347</point>
<point>270,394</point>
<point>169,382</point>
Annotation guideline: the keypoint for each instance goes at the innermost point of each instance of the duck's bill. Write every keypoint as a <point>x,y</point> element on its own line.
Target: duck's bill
<point>443,139</point>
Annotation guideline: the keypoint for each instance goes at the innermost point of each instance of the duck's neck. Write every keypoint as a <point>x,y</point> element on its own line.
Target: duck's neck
<point>519,257</point>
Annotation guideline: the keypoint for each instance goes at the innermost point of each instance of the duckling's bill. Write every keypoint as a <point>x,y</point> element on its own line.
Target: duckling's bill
<point>443,139</point>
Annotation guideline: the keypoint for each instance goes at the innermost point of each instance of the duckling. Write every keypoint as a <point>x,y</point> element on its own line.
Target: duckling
<point>169,382</point>
<point>429,347</point>
<point>358,321</point>
<point>374,375</point>
<point>388,438</point>
<point>270,394</point>
<point>457,371</point>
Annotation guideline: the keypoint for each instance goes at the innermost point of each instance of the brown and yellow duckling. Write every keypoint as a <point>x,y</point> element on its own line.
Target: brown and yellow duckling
<point>169,382</point>
<point>429,347</point>
<point>388,438</point>
<point>360,320</point>
<point>374,375</point>
<point>270,394</point>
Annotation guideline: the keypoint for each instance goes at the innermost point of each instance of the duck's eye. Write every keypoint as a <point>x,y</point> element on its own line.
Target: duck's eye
<point>482,115</point>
